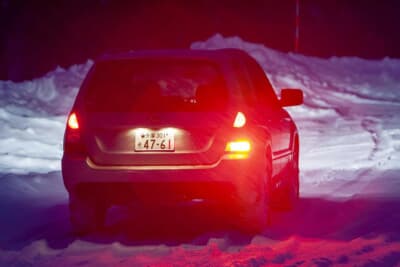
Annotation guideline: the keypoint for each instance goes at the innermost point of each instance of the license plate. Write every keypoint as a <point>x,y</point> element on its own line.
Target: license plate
<point>154,141</point>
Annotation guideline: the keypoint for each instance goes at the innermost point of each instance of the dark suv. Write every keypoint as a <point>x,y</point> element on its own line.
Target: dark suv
<point>182,126</point>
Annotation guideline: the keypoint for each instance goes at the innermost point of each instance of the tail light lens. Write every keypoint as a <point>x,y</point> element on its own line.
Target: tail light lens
<point>240,120</point>
<point>73,121</point>
<point>238,146</point>
<point>72,139</point>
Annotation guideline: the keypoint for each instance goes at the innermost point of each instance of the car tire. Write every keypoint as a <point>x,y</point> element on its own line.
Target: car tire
<point>286,197</point>
<point>256,217</point>
<point>86,216</point>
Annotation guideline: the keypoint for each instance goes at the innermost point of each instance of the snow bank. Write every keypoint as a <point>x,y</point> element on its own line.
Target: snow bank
<point>52,94</point>
<point>32,119</point>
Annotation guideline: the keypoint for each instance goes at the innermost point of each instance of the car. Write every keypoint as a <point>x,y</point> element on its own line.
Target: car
<point>159,127</point>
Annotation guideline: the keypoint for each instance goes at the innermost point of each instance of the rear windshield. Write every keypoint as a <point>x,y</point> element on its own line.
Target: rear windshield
<point>156,85</point>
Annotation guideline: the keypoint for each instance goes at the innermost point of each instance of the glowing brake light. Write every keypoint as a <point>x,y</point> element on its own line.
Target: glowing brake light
<point>238,146</point>
<point>72,139</point>
<point>240,120</point>
<point>73,121</point>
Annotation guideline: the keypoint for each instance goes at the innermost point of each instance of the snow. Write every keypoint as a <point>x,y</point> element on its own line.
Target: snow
<point>350,177</point>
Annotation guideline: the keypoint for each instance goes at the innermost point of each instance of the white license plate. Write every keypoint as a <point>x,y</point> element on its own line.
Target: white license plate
<point>154,141</point>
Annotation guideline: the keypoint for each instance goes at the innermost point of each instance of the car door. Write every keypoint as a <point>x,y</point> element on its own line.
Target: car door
<point>270,113</point>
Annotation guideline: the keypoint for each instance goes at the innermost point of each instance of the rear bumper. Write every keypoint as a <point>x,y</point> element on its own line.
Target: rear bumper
<point>227,180</point>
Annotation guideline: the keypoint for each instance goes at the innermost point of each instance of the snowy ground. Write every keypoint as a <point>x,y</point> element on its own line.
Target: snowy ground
<point>349,213</point>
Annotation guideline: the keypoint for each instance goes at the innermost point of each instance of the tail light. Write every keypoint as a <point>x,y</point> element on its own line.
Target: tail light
<point>238,146</point>
<point>73,139</point>
<point>73,121</point>
<point>240,120</point>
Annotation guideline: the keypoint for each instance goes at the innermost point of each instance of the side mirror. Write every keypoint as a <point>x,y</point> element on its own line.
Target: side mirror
<point>291,97</point>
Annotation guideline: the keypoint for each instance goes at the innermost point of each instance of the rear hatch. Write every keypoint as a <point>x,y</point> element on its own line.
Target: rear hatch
<point>156,112</point>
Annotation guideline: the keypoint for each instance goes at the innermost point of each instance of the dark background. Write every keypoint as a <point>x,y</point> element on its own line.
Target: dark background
<point>36,36</point>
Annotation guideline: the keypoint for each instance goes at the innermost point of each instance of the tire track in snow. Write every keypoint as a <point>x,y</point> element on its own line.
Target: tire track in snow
<point>372,126</point>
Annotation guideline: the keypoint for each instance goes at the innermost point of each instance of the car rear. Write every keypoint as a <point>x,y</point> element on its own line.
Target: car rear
<point>157,130</point>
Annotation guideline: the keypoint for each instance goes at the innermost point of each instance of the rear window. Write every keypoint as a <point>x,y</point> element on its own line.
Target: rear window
<point>156,85</point>
<point>261,94</point>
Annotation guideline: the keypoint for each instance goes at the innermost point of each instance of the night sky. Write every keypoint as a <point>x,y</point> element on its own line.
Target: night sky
<point>36,36</point>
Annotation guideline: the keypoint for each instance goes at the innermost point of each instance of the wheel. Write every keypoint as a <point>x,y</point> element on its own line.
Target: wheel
<point>286,197</point>
<point>86,215</point>
<point>254,218</point>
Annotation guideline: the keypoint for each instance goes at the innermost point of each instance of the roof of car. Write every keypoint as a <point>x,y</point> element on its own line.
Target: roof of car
<point>217,54</point>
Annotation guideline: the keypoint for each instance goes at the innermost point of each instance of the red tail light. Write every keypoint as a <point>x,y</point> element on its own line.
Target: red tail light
<point>238,148</point>
<point>73,121</point>
<point>72,139</point>
<point>240,120</point>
